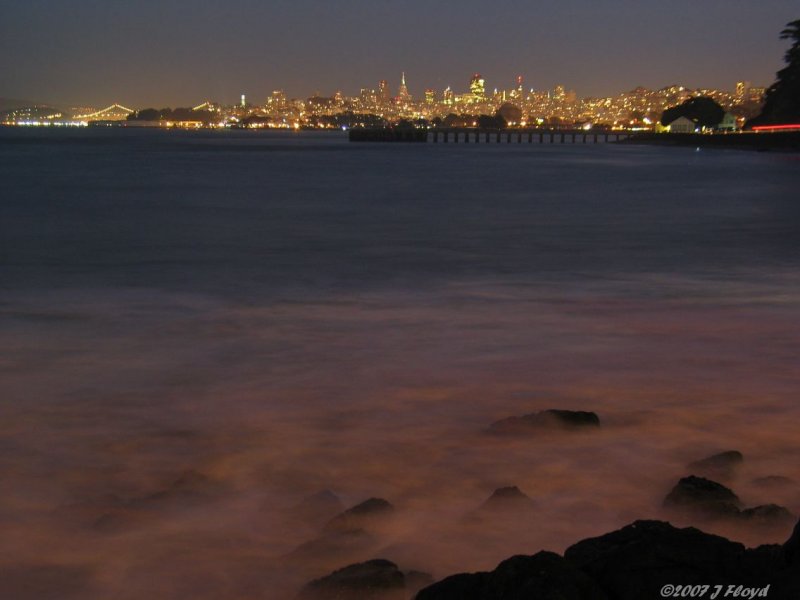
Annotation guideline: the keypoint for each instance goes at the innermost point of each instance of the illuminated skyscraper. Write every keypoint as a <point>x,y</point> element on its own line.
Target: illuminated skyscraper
<point>430,96</point>
<point>402,91</point>
<point>278,98</point>
<point>742,89</point>
<point>383,91</point>
<point>477,86</point>
<point>447,96</point>
<point>756,94</point>
<point>368,96</point>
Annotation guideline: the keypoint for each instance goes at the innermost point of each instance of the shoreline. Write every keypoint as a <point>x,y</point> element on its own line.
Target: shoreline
<point>785,141</point>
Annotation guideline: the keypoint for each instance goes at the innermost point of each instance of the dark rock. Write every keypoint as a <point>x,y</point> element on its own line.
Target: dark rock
<point>507,498</point>
<point>362,516</point>
<point>722,465</point>
<point>504,503</point>
<point>709,499</point>
<point>635,562</point>
<point>416,580</point>
<point>545,576</point>
<point>703,497</point>
<point>551,419</point>
<point>318,509</point>
<point>791,548</point>
<point>508,493</point>
<point>463,586</point>
<point>372,579</point>
<point>344,545</point>
<point>191,487</point>
<point>765,559</point>
<point>768,514</point>
<point>787,580</point>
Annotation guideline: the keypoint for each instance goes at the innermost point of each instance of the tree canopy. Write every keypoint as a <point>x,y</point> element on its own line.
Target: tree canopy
<point>509,113</point>
<point>702,110</point>
<point>782,102</point>
<point>491,122</point>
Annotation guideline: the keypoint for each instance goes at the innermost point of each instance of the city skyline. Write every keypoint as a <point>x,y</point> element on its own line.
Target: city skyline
<point>638,108</point>
<point>393,91</point>
<point>172,53</point>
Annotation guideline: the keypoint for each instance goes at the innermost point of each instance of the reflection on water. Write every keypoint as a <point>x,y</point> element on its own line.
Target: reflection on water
<point>198,331</point>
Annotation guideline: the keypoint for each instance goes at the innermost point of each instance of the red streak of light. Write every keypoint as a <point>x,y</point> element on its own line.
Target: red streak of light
<point>776,127</point>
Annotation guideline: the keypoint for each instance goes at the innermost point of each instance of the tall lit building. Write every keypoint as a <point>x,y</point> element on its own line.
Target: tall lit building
<point>383,91</point>
<point>756,94</point>
<point>278,98</point>
<point>742,89</point>
<point>430,96</point>
<point>477,86</point>
<point>368,96</point>
<point>447,96</point>
<point>402,91</point>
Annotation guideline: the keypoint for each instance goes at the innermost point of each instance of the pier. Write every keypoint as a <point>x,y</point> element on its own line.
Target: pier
<point>487,136</point>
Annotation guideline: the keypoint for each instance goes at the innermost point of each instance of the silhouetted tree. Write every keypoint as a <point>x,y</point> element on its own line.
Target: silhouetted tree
<point>702,110</point>
<point>454,120</point>
<point>491,122</point>
<point>509,113</point>
<point>782,102</point>
<point>147,114</point>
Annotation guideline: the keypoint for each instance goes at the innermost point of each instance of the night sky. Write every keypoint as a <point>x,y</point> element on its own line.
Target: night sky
<point>181,52</point>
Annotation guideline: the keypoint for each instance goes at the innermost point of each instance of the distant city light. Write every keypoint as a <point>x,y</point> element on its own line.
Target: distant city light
<point>559,107</point>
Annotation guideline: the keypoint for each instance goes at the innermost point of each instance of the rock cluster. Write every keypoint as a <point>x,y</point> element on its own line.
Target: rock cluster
<point>633,563</point>
<point>546,420</point>
<point>708,499</point>
<point>377,579</point>
<point>348,535</point>
<point>722,465</point>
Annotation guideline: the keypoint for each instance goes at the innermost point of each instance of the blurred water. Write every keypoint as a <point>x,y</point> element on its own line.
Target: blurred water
<point>289,312</point>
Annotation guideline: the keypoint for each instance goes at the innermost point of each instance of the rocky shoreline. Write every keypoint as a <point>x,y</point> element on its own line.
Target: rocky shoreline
<point>645,559</point>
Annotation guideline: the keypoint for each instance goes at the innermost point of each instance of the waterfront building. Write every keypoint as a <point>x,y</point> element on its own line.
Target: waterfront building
<point>682,125</point>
